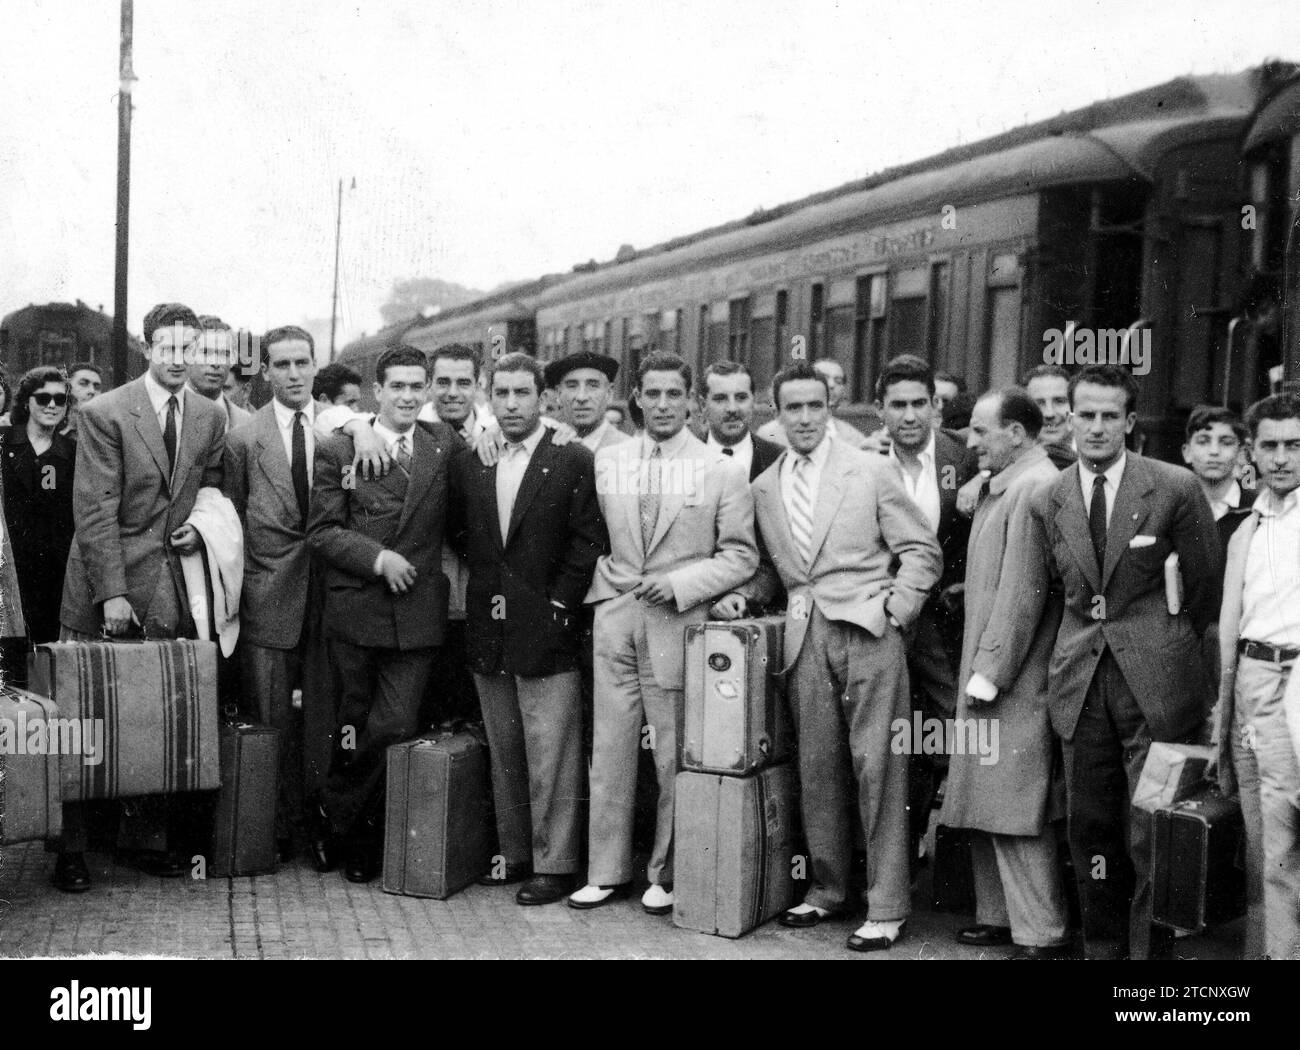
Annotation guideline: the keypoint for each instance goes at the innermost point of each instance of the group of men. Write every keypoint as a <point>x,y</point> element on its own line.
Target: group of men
<point>574,556</point>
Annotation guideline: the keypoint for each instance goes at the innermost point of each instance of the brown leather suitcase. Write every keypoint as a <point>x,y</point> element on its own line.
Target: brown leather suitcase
<point>439,832</point>
<point>31,748</point>
<point>735,840</point>
<point>1197,877</point>
<point>736,719</point>
<point>243,829</point>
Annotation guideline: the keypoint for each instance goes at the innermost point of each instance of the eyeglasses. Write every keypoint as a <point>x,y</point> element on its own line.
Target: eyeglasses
<point>45,400</point>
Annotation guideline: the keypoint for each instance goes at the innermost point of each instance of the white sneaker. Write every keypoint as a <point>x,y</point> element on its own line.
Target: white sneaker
<point>656,900</point>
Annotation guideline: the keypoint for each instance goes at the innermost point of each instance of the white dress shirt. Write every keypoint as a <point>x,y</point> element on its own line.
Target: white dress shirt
<point>158,396</point>
<point>511,467</point>
<point>390,438</point>
<point>1230,501</point>
<point>1112,475</point>
<point>742,451</point>
<point>284,421</point>
<point>812,474</point>
<point>478,420</point>
<point>924,488</point>
<point>1270,597</point>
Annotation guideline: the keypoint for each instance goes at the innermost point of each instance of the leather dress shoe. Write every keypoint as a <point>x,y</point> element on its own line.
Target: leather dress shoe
<point>360,866</point>
<point>71,874</point>
<point>857,942</point>
<point>513,873</point>
<point>607,895</point>
<point>1032,951</point>
<point>984,936</point>
<point>544,889</point>
<point>166,865</point>
<point>799,919</point>
<point>320,840</point>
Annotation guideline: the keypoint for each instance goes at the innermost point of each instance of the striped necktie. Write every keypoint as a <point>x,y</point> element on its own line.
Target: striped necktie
<point>402,454</point>
<point>801,509</point>
<point>650,496</point>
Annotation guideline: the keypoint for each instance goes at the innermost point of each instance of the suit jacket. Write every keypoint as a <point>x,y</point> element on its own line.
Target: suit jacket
<point>556,534</point>
<point>765,454</point>
<point>235,416</point>
<point>704,540</point>
<point>1236,516</point>
<point>277,558</point>
<point>1157,653</point>
<point>125,508</point>
<point>353,518</point>
<point>954,465</point>
<point>864,525</point>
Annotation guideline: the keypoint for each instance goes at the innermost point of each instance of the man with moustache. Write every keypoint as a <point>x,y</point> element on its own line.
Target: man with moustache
<point>727,390</point>
<point>583,384</point>
<point>268,468</point>
<point>857,560</point>
<point>1259,640</point>
<point>1124,671</point>
<point>531,530</point>
<point>213,358</point>
<point>1011,623</point>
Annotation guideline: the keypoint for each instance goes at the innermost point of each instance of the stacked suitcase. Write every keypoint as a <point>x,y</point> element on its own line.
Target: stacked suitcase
<point>736,828</point>
<point>1197,874</point>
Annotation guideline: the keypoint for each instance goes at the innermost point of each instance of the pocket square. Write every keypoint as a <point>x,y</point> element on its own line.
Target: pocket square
<point>1142,541</point>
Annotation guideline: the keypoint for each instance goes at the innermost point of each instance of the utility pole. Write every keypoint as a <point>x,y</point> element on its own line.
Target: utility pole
<point>126,82</point>
<point>334,302</point>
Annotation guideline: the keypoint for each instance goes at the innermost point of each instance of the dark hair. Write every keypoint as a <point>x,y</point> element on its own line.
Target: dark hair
<point>165,314</point>
<point>1203,417</point>
<point>400,356</point>
<point>1043,371</point>
<point>794,371</point>
<point>1108,375</point>
<point>662,361</point>
<point>948,377</point>
<point>956,413</point>
<point>1016,406</point>
<point>212,323</point>
<point>521,362</point>
<point>724,368</point>
<point>1278,406</point>
<point>456,352</point>
<point>905,369</point>
<point>4,389</point>
<point>331,380</point>
<point>31,382</point>
<point>85,366</point>
<point>283,333</point>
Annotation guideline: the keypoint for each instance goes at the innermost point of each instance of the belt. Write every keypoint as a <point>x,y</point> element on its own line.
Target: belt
<point>1273,654</point>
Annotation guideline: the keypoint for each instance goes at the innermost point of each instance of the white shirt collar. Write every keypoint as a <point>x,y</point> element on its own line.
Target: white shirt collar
<point>1112,474</point>
<point>1268,505</point>
<point>158,394</point>
<point>746,443</point>
<point>284,414</point>
<point>819,455</point>
<point>668,448</point>
<point>926,455</point>
<point>530,443</point>
<point>391,436</point>
<point>593,440</point>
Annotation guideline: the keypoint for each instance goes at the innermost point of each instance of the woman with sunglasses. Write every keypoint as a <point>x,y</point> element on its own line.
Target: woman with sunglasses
<point>36,465</point>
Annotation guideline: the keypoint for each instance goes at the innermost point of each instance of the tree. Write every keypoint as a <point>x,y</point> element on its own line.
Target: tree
<point>416,296</point>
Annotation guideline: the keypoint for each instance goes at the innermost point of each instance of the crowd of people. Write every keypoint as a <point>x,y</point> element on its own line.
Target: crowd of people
<point>493,544</point>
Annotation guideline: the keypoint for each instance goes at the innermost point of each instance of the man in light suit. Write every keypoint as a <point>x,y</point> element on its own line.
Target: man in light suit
<point>842,430</point>
<point>386,606</point>
<point>833,520</point>
<point>214,357</point>
<point>1124,671</point>
<point>681,530</point>
<point>531,530</point>
<point>267,475</point>
<point>143,452</point>
<point>727,390</point>
<point>1259,641</point>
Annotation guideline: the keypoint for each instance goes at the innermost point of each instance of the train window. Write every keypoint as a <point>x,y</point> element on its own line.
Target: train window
<point>868,334</point>
<point>907,322</point>
<point>816,321</point>
<point>738,330</point>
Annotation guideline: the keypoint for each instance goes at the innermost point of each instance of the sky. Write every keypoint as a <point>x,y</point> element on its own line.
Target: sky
<point>493,141</point>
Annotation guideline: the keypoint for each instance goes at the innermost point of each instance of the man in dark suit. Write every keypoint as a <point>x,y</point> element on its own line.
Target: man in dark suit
<point>386,604</point>
<point>532,531</point>
<point>932,465</point>
<point>267,475</point>
<point>143,452</point>
<point>1124,672</point>
<point>727,391</point>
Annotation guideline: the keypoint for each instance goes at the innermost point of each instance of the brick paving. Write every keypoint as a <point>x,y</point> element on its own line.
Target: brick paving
<point>298,913</point>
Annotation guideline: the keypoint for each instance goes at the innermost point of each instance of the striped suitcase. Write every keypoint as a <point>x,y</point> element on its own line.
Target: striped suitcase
<point>154,705</point>
<point>31,745</point>
<point>735,842</point>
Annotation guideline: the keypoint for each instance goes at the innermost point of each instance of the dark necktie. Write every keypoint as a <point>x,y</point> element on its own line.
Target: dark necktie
<point>298,467</point>
<point>1097,519</point>
<point>727,450</point>
<point>169,436</point>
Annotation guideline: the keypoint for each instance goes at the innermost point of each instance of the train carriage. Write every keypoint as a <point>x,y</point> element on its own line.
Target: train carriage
<point>61,334</point>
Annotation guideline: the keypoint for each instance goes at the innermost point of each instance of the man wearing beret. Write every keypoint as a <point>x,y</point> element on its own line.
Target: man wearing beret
<point>584,383</point>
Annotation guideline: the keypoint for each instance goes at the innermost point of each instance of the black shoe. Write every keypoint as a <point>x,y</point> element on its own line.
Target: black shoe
<point>320,840</point>
<point>873,944</point>
<point>544,889</point>
<point>804,920</point>
<point>284,851</point>
<point>71,874</point>
<point>167,865</point>
<point>1030,951</point>
<point>617,893</point>
<point>984,936</point>
<point>513,873</point>
<point>360,866</point>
